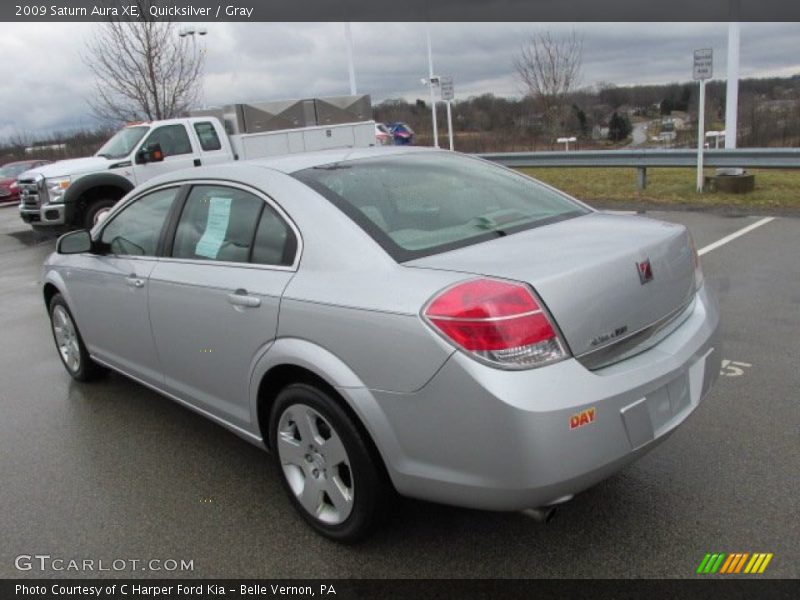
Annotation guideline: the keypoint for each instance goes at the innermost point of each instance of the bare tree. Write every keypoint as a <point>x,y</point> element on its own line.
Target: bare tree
<point>143,69</point>
<point>18,141</point>
<point>549,68</point>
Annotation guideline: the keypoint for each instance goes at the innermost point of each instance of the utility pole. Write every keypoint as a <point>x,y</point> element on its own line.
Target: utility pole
<point>348,36</point>
<point>732,88</point>
<point>450,124</point>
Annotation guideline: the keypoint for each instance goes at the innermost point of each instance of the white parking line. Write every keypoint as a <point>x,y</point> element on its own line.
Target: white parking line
<point>734,235</point>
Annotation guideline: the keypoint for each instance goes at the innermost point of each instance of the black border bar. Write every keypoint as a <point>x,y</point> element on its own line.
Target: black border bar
<point>390,589</point>
<point>410,10</point>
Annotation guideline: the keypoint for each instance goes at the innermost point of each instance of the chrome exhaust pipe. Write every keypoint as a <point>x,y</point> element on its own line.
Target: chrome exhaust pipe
<point>541,515</point>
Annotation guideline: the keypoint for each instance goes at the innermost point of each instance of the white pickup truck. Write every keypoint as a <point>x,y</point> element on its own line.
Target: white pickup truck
<point>76,193</point>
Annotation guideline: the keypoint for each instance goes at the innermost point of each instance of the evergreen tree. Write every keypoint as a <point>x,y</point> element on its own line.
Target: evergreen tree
<point>619,127</point>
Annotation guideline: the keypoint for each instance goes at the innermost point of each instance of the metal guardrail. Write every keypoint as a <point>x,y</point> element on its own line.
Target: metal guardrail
<point>761,158</point>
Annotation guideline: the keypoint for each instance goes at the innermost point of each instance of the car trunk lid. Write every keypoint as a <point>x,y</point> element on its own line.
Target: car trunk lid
<point>591,272</point>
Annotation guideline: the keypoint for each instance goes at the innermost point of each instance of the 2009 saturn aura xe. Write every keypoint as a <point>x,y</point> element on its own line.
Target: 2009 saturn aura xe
<point>395,319</point>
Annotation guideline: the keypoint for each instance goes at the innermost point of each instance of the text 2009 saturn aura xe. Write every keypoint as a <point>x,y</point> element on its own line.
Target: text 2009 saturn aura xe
<point>395,319</point>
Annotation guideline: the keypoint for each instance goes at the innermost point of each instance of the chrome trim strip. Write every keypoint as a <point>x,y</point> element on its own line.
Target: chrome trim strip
<point>221,183</point>
<point>486,319</point>
<point>225,263</point>
<point>638,341</point>
<point>133,257</point>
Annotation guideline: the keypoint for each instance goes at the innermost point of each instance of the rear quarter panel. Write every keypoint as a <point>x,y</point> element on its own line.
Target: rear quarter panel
<point>352,299</point>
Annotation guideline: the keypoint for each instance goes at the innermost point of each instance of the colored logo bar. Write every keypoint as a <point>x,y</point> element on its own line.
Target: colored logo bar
<point>734,563</point>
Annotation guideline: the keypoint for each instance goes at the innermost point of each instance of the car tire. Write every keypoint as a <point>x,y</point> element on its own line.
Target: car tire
<point>95,210</point>
<point>339,487</point>
<point>69,343</point>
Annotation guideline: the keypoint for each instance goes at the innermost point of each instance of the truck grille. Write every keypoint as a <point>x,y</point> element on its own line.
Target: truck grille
<point>29,193</point>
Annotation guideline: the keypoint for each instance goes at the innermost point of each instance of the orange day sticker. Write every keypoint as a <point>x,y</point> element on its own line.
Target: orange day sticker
<point>585,417</point>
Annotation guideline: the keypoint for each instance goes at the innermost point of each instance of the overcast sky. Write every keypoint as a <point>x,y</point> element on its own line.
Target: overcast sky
<point>44,85</point>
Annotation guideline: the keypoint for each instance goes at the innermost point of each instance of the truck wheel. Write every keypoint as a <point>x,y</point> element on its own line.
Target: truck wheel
<point>96,212</point>
<point>69,343</point>
<point>327,468</point>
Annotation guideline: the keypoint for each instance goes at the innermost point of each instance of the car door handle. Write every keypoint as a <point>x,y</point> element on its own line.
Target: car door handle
<point>134,281</point>
<point>240,298</point>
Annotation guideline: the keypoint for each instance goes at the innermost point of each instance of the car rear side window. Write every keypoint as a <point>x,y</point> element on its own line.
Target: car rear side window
<point>275,242</point>
<point>424,203</point>
<point>209,140</point>
<point>135,230</point>
<point>217,223</point>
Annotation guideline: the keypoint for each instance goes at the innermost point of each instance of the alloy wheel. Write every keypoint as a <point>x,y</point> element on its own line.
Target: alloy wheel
<point>315,464</point>
<point>66,339</point>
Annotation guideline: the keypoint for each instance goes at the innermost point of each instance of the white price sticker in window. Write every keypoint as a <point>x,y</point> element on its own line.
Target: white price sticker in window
<point>219,213</point>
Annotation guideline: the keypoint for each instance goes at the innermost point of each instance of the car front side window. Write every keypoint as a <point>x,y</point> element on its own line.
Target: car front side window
<point>135,230</point>
<point>217,223</point>
<point>173,140</point>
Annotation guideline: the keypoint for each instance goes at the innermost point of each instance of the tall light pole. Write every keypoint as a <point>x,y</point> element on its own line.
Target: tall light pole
<point>450,124</point>
<point>348,36</point>
<point>732,88</point>
<point>201,32</point>
<point>431,83</point>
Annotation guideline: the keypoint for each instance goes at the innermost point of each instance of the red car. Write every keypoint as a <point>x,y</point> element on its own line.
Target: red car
<point>383,136</point>
<point>9,192</point>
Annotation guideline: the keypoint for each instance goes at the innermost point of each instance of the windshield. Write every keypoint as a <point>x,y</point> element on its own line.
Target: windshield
<point>14,170</point>
<point>123,142</point>
<point>420,204</point>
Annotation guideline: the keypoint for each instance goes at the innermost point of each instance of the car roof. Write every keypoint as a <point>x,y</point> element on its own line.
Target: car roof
<point>159,122</point>
<point>291,163</point>
<point>285,163</point>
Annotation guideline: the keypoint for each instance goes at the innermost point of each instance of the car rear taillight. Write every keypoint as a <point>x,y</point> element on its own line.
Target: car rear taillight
<point>500,322</point>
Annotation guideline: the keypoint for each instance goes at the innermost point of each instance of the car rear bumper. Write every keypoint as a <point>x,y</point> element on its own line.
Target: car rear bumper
<point>481,437</point>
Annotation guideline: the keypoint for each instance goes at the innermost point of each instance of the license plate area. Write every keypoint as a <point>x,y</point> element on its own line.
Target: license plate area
<point>663,408</point>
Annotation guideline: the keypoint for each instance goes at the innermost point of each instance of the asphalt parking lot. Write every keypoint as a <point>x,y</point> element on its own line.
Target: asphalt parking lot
<point>112,470</point>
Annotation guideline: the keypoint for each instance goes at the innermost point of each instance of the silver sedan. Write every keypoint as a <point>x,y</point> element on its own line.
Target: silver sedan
<point>395,321</point>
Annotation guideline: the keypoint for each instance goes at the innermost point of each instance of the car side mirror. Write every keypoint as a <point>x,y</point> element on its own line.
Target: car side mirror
<point>150,153</point>
<point>75,242</point>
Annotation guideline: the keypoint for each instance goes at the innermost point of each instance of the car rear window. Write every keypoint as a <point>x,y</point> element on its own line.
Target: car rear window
<point>416,205</point>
